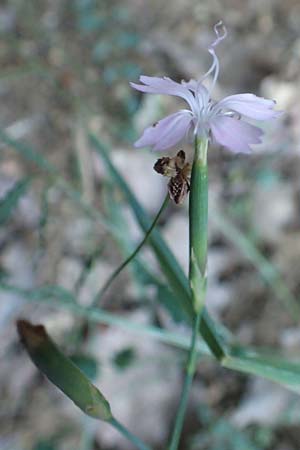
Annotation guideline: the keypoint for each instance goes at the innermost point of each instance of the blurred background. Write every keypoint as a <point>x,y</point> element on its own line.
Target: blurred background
<point>65,68</point>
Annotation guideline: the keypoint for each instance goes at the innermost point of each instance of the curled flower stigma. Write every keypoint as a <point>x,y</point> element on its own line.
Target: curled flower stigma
<point>221,33</point>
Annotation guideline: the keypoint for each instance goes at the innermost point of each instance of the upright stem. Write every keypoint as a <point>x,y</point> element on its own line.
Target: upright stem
<point>190,371</point>
<point>198,212</point>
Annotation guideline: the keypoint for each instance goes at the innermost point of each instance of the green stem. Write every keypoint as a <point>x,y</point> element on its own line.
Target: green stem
<point>190,371</point>
<point>198,213</point>
<point>128,435</point>
<point>119,269</point>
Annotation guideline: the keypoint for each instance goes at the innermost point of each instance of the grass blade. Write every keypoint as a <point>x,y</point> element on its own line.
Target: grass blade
<point>265,364</point>
<point>58,297</point>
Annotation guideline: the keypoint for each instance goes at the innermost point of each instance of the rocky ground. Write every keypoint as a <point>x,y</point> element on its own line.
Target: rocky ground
<point>65,67</point>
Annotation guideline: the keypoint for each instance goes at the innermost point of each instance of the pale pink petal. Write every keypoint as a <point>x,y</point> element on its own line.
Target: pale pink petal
<point>164,86</point>
<point>249,105</point>
<point>167,132</point>
<point>235,134</point>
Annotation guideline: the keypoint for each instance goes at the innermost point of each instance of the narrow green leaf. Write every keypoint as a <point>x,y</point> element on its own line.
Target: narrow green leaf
<point>265,364</point>
<point>250,361</point>
<point>51,291</point>
<point>166,298</point>
<point>11,199</point>
<point>58,297</point>
<point>62,372</point>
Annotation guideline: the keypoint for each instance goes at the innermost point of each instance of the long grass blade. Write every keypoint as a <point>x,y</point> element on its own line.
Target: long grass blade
<point>58,297</point>
<point>264,363</point>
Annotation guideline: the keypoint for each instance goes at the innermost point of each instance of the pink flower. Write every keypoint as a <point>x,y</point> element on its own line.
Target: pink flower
<point>222,122</point>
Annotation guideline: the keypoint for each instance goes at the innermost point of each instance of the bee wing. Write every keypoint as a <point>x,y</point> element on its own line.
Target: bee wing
<point>180,159</point>
<point>178,189</point>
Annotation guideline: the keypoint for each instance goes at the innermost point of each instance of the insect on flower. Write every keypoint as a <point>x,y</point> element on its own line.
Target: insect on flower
<point>222,122</point>
<point>179,173</point>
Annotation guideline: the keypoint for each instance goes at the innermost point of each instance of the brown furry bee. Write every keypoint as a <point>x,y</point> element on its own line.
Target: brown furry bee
<point>179,173</point>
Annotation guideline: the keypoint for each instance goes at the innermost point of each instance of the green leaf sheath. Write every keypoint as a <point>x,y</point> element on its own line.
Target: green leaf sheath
<point>62,372</point>
<point>198,224</point>
<point>170,267</point>
<point>199,206</point>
